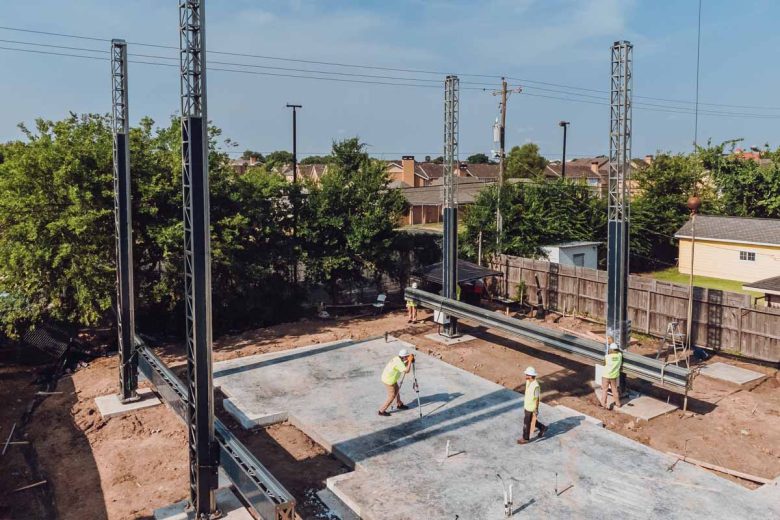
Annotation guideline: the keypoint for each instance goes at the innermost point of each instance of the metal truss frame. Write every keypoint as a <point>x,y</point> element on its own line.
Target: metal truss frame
<point>450,203</point>
<point>123,224</point>
<point>203,453</point>
<point>648,369</point>
<point>619,201</point>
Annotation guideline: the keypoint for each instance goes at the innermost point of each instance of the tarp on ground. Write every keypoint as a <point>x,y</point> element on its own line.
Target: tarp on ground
<point>467,272</point>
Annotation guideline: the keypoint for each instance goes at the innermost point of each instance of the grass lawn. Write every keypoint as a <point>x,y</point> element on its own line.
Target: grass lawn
<point>672,275</point>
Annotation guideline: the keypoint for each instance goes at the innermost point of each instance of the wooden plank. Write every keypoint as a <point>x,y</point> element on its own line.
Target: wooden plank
<point>721,469</point>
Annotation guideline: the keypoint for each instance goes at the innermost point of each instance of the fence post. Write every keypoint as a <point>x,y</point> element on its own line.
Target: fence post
<point>647,311</point>
<point>739,329</point>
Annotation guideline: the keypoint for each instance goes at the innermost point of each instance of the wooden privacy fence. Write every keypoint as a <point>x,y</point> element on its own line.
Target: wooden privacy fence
<point>722,320</point>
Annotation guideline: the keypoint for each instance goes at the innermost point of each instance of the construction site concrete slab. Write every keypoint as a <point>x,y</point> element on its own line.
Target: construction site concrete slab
<point>643,407</point>
<point>400,469</point>
<point>111,406</point>
<point>227,502</point>
<point>463,338</point>
<point>337,510</point>
<point>574,413</point>
<point>730,373</point>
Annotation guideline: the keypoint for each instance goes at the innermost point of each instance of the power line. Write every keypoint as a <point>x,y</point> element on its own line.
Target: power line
<point>393,69</point>
<point>639,106</point>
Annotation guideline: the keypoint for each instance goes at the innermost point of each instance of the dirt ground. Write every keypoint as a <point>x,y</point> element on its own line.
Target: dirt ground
<point>125,467</point>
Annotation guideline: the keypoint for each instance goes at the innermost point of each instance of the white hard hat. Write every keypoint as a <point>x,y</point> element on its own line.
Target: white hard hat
<point>613,346</point>
<point>414,285</point>
<point>403,352</point>
<point>530,371</point>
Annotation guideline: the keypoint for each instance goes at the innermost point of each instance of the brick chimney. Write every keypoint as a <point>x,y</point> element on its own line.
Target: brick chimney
<point>407,164</point>
<point>649,159</point>
<point>594,166</point>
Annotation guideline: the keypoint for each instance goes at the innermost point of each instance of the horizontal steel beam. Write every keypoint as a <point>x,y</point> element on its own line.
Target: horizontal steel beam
<point>638,366</point>
<point>257,486</point>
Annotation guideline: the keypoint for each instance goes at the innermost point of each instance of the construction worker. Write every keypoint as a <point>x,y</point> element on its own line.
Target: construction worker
<point>613,362</point>
<point>394,370</point>
<point>531,406</point>
<point>411,308</point>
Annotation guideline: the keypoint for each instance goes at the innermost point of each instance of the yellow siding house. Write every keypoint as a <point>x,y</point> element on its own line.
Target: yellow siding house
<point>732,248</point>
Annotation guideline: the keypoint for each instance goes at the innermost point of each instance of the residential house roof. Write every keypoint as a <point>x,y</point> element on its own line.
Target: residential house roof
<point>433,195</point>
<point>580,243</point>
<point>430,171</point>
<point>767,285</point>
<point>745,230</point>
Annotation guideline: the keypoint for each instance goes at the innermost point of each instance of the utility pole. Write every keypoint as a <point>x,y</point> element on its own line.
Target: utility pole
<point>123,221</point>
<point>504,93</point>
<point>694,203</point>
<point>564,124</point>
<point>202,447</point>
<point>295,139</point>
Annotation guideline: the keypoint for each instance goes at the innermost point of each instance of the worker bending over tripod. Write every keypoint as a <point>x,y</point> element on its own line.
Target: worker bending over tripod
<point>531,406</point>
<point>395,369</point>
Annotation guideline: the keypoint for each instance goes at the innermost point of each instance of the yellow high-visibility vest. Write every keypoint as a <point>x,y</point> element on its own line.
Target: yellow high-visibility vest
<point>531,398</point>
<point>613,362</point>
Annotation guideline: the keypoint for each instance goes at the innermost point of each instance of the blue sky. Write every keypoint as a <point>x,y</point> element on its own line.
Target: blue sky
<point>564,42</point>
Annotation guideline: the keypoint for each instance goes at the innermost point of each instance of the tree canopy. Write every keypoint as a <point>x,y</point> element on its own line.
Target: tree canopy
<point>479,158</point>
<point>525,161</point>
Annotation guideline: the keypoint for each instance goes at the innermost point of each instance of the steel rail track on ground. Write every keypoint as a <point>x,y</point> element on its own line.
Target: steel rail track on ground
<point>642,367</point>
<point>253,481</point>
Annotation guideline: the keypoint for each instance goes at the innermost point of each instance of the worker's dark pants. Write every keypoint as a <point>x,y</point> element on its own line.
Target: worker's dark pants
<point>527,424</point>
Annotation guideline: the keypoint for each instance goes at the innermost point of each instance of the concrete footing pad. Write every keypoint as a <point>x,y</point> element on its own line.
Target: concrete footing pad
<point>643,407</point>
<point>227,502</point>
<point>463,338</point>
<point>337,510</point>
<point>730,373</point>
<point>111,406</point>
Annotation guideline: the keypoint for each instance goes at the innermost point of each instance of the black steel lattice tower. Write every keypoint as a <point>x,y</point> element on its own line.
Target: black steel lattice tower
<point>619,208</point>
<point>203,454</point>
<point>125,300</point>
<point>450,206</point>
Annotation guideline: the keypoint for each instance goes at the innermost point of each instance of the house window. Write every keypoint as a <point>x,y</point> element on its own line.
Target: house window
<point>579,259</point>
<point>748,256</point>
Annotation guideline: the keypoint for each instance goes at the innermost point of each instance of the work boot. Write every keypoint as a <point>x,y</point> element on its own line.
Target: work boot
<point>522,441</point>
<point>542,431</point>
<point>401,406</point>
<point>383,414</point>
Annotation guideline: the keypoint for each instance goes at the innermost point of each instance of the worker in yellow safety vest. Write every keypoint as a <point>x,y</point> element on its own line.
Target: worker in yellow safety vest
<point>613,362</point>
<point>393,372</point>
<point>531,407</point>
<point>411,308</point>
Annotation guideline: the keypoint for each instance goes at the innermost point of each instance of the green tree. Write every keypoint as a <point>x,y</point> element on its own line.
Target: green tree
<point>525,161</point>
<point>316,159</point>
<point>479,158</point>
<point>535,215</point>
<point>57,244</point>
<point>276,160</point>
<point>249,154</point>
<point>348,223</point>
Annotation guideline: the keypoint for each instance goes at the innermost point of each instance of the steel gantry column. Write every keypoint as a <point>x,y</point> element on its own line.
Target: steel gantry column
<point>450,205</point>
<point>618,191</point>
<point>203,454</point>
<point>125,301</point>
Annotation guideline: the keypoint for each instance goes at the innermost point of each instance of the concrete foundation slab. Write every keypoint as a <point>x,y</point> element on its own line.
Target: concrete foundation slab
<point>643,407</point>
<point>111,406</point>
<point>227,503</point>
<point>574,413</point>
<point>332,393</point>
<point>337,510</point>
<point>463,338</point>
<point>730,373</point>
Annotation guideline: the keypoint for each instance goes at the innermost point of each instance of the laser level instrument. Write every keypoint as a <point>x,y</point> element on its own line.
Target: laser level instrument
<point>416,387</point>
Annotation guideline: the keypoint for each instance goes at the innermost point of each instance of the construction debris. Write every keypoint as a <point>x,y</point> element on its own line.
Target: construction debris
<point>721,469</point>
